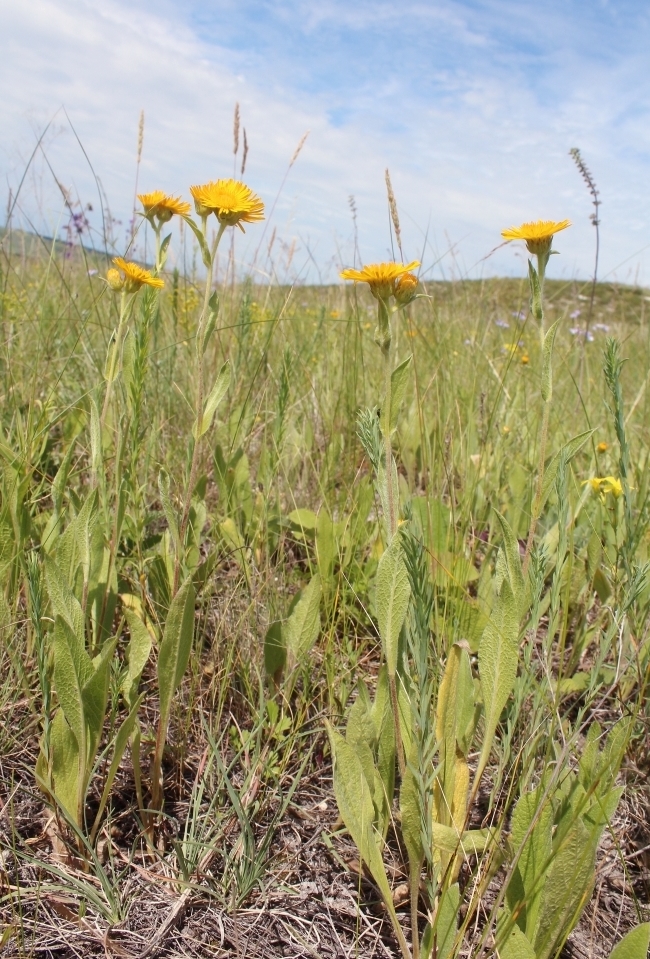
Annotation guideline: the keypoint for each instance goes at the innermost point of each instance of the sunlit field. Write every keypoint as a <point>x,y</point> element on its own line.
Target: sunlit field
<point>324,609</point>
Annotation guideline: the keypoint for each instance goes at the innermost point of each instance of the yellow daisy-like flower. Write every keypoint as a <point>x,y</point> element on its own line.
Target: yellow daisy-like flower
<point>537,235</point>
<point>380,277</point>
<point>602,485</point>
<point>134,276</point>
<point>162,206</point>
<point>602,447</point>
<point>232,202</point>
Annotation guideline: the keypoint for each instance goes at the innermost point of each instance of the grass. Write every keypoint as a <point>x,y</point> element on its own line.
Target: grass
<point>248,856</point>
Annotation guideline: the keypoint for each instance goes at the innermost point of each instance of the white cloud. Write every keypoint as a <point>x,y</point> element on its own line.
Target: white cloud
<point>475,125</point>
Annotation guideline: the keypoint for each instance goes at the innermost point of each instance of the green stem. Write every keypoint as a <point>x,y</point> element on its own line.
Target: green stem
<point>126,306</point>
<point>199,402</point>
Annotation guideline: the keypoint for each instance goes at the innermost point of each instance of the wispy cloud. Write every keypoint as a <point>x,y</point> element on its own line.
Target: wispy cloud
<point>473,105</point>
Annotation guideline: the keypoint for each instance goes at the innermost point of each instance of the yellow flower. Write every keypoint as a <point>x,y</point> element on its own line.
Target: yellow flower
<point>380,277</point>
<point>601,486</point>
<point>602,447</point>
<point>232,202</point>
<point>538,236</point>
<point>161,205</point>
<point>134,276</point>
<point>525,359</point>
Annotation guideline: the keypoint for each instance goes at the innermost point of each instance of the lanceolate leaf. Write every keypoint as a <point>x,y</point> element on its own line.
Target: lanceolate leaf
<point>634,945</point>
<point>215,396</point>
<point>513,564</point>
<point>302,628</point>
<point>399,381</point>
<point>205,251</point>
<point>497,661</point>
<point>355,804</point>
<point>175,647</point>
<point>568,451</point>
<point>547,362</point>
<point>393,594</point>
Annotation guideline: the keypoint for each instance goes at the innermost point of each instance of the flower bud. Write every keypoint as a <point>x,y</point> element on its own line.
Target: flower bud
<point>406,289</point>
<point>114,280</point>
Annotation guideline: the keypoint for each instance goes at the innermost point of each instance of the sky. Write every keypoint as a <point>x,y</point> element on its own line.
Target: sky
<point>473,105</point>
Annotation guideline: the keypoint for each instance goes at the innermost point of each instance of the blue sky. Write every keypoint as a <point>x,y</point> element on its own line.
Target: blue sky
<point>472,105</point>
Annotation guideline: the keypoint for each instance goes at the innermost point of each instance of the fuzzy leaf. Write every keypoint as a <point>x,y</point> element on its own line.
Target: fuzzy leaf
<point>399,381</point>
<point>275,651</point>
<point>568,451</point>
<point>497,659</point>
<point>547,362</point>
<point>175,647</point>
<point>215,397</point>
<point>303,626</point>
<point>205,250</point>
<point>393,594</point>
<point>566,890</point>
<point>526,886</point>
<point>635,944</point>
<point>355,804</point>
<point>137,654</point>
<point>164,484</point>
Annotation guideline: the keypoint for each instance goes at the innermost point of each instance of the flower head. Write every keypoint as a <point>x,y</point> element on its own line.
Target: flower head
<point>602,447</point>
<point>232,202</point>
<point>537,235</point>
<point>134,276</point>
<point>162,206</point>
<point>601,486</point>
<point>380,277</point>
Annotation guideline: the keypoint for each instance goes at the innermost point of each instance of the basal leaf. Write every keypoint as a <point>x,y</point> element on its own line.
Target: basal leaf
<point>303,626</point>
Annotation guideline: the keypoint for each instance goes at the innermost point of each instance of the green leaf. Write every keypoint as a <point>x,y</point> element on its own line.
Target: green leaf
<point>568,451</point>
<point>547,362</point>
<point>164,485</point>
<point>215,396</point>
<point>72,670</point>
<point>137,655</point>
<point>516,945</point>
<point>205,250</point>
<point>635,944</point>
<point>566,890</point>
<point>211,322</point>
<point>64,603</point>
<point>535,293</point>
<point>398,383</point>
<point>304,520</point>
<point>393,594</point>
<point>498,655</point>
<point>65,767</point>
<point>303,626</point>
<point>175,647</point>
<point>325,545</point>
<point>384,724</point>
<point>411,813</point>
<point>510,554</point>
<point>275,651</point>
<point>354,800</point>
<point>95,698</point>
<point>526,886</point>
<point>471,842</point>
<point>446,923</point>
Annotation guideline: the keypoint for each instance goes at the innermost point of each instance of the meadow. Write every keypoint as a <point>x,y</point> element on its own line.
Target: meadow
<point>324,609</point>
